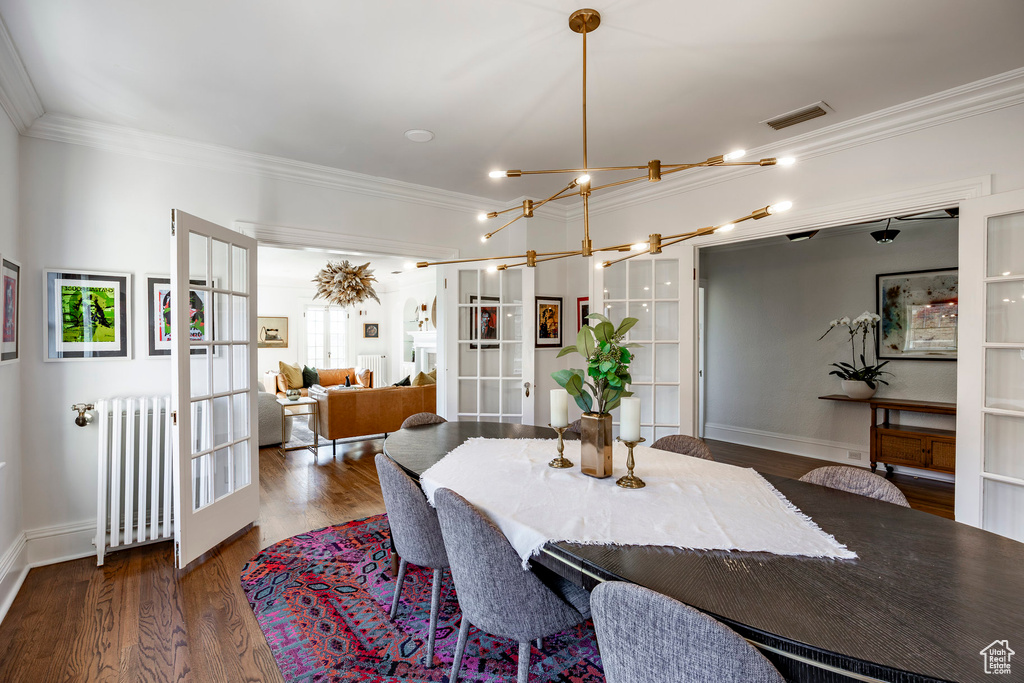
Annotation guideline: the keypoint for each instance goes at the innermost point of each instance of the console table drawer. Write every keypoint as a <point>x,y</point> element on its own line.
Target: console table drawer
<point>902,449</point>
<point>943,454</point>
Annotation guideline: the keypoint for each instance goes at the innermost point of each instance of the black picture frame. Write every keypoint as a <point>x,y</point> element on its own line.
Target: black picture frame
<point>929,297</point>
<point>484,321</point>
<point>152,285</point>
<point>119,286</point>
<point>548,316</point>
<point>10,313</point>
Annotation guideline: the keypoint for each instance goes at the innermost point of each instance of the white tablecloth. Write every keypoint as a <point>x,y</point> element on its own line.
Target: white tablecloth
<point>687,503</point>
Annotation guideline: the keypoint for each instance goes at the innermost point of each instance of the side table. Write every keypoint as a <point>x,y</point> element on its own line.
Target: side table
<point>298,407</point>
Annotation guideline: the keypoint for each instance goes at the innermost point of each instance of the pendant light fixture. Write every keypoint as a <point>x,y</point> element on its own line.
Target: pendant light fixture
<point>584,22</point>
<point>885,235</point>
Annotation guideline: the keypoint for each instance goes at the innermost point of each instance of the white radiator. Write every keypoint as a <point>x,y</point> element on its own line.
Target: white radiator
<point>376,364</point>
<point>135,473</point>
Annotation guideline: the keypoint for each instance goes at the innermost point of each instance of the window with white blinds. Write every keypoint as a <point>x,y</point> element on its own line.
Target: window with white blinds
<point>326,337</point>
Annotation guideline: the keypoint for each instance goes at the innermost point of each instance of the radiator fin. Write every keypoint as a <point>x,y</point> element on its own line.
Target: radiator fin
<point>376,364</point>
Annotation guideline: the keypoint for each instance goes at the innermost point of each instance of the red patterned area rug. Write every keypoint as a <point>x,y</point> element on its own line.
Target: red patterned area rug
<point>322,600</point>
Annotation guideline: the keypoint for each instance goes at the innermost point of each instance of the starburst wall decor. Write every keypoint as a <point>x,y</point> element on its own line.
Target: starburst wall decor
<point>344,284</point>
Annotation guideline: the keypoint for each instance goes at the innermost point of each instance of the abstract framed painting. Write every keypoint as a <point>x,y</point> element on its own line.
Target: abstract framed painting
<point>158,298</point>
<point>88,315</point>
<point>549,321</point>
<point>10,305</point>
<point>919,314</point>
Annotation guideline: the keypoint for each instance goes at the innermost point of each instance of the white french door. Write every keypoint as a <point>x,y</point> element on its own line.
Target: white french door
<point>990,365</point>
<point>657,291</point>
<point>326,336</point>
<point>214,384</point>
<point>489,333</point>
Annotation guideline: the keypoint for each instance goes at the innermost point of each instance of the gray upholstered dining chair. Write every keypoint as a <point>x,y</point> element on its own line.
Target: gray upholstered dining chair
<point>422,419</point>
<point>646,636</point>
<point>415,535</point>
<point>854,480</point>
<point>495,593</point>
<point>575,426</point>
<point>686,445</point>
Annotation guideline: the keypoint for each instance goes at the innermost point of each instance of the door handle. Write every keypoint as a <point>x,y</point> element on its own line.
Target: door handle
<point>527,385</point>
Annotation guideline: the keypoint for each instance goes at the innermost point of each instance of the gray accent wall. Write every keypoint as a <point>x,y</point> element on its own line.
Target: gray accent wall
<point>768,302</point>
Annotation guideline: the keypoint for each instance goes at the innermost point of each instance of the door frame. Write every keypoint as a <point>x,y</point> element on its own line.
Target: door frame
<point>909,201</point>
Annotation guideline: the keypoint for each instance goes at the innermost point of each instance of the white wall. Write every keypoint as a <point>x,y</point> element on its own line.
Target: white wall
<point>12,555</point>
<point>767,304</point>
<point>91,209</point>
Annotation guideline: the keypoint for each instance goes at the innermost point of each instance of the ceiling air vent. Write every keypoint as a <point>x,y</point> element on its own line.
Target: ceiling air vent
<point>811,111</point>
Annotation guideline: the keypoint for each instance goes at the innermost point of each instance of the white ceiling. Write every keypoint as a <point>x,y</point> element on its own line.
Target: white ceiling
<point>337,83</point>
<point>298,267</point>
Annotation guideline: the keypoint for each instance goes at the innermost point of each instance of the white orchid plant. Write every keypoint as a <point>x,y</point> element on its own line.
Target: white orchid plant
<point>862,325</point>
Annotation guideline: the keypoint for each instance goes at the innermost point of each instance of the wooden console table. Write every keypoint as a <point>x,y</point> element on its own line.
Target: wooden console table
<point>892,444</point>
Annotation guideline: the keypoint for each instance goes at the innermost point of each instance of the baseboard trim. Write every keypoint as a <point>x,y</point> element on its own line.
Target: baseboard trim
<point>60,543</point>
<point>820,449</point>
<point>13,570</point>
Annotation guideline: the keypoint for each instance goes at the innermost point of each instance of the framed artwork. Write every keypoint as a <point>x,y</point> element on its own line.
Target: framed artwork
<point>273,332</point>
<point>158,295</point>
<point>10,304</point>
<point>919,315</point>
<point>88,315</point>
<point>582,311</point>
<point>371,331</point>
<point>549,321</point>
<point>483,321</point>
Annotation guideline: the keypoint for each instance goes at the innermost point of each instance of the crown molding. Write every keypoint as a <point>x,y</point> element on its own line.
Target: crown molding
<point>292,237</point>
<point>18,96</point>
<point>168,148</point>
<point>872,208</point>
<point>971,99</point>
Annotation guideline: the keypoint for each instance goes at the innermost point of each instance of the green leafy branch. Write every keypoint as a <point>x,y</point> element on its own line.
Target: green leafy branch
<point>601,387</point>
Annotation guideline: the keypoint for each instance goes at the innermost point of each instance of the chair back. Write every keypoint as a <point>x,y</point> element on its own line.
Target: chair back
<point>855,480</point>
<point>687,445</point>
<point>575,426</point>
<point>422,419</point>
<point>646,636</point>
<point>415,532</point>
<point>495,593</point>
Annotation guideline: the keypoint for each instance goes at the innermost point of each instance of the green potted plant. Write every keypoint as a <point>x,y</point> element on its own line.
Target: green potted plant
<point>599,388</point>
<point>859,381</point>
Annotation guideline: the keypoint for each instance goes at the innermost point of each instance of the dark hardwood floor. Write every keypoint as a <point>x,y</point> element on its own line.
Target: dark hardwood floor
<point>136,619</point>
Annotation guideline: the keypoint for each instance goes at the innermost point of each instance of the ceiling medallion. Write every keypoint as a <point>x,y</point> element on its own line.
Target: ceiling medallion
<point>585,21</point>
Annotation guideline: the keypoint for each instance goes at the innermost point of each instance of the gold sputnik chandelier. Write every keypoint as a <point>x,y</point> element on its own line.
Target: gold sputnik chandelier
<point>586,21</point>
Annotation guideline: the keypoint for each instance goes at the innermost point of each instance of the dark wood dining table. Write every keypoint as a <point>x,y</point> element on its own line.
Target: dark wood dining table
<point>921,601</point>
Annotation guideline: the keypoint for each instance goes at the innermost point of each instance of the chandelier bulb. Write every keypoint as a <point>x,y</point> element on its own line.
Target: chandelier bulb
<point>726,228</point>
<point>498,174</point>
<point>785,161</point>
<point>583,179</point>
<point>484,238</point>
<point>735,154</point>
<point>481,216</point>
<point>492,269</point>
<point>780,207</point>
<point>600,265</point>
<point>639,246</point>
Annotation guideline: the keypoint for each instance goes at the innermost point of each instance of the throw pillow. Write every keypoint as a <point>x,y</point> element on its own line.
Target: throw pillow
<point>309,376</point>
<point>292,375</point>
<point>423,379</point>
<point>404,382</point>
<point>363,377</point>
<point>433,375</point>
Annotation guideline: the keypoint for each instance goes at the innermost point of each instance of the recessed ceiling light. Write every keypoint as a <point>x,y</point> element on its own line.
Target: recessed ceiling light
<point>419,135</point>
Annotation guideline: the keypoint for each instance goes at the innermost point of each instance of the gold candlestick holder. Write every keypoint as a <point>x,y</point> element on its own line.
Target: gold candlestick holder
<point>561,461</point>
<point>629,481</point>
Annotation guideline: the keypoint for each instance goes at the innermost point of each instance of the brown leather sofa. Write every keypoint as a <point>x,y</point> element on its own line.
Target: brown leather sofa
<point>274,382</point>
<point>361,412</point>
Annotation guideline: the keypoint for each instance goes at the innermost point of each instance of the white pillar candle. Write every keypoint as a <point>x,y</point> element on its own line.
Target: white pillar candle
<point>629,419</point>
<point>559,408</point>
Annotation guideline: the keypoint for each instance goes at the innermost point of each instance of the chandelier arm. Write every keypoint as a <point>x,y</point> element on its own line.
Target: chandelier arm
<point>585,162</point>
<point>495,232</point>
<point>558,253</point>
<point>424,264</point>
<point>555,258</point>
<point>621,182</point>
<point>583,170</point>
<point>556,195</point>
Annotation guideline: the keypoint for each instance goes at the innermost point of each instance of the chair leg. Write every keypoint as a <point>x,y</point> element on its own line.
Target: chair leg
<point>435,604</point>
<point>459,648</point>
<point>524,662</point>
<point>398,587</point>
